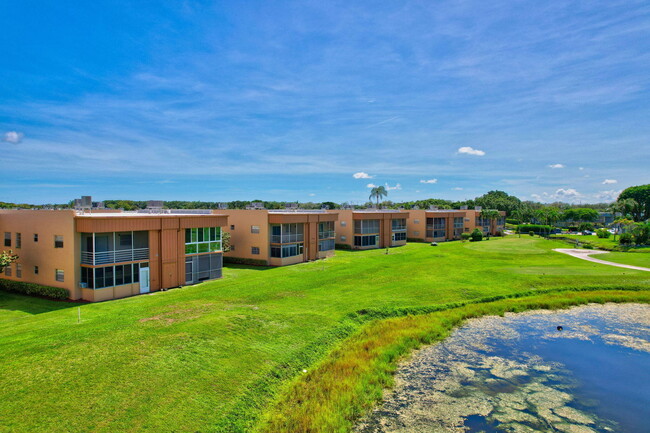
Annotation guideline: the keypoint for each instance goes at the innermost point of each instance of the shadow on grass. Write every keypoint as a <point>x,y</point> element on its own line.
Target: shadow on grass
<point>33,304</point>
<point>248,267</point>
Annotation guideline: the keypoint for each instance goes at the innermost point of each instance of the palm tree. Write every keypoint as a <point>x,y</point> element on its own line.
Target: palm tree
<point>548,215</point>
<point>491,215</point>
<point>618,207</point>
<point>378,192</point>
<point>629,206</point>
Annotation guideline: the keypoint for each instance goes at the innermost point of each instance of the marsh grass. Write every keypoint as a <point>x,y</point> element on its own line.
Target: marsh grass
<point>350,380</point>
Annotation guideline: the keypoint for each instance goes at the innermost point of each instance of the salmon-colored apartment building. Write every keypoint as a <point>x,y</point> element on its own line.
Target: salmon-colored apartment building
<point>371,228</point>
<point>280,237</point>
<point>102,255</point>
<point>439,225</point>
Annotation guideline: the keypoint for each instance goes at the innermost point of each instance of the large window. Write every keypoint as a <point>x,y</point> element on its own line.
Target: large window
<point>399,225</point>
<point>287,233</point>
<point>326,230</point>
<point>109,276</point>
<point>203,267</point>
<point>366,241</point>
<point>326,245</point>
<point>202,240</point>
<point>19,240</point>
<point>114,247</point>
<point>399,236</point>
<point>19,270</point>
<point>59,275</point>
<point>458,226</point>
<point>289,250</point>
<point>7,239</point>
<point>436,227</point>
<point>364,227</point>
<point>58,241</point>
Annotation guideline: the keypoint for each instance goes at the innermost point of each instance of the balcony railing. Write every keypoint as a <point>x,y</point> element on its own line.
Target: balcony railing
<point>399,229</point>
<point>108,257</point>
<point>287,239</point>
<point>327,234</point>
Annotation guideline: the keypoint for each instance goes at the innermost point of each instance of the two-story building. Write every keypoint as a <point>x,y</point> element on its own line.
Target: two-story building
<point>362,229</point>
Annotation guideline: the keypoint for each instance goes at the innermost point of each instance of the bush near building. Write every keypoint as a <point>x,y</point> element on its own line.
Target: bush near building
<point>476,235</point>
<point>33,289</point>
<point>538,229</point>
<point>603,233</point>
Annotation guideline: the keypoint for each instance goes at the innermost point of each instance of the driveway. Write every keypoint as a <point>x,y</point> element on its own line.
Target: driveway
<point>584,255</point>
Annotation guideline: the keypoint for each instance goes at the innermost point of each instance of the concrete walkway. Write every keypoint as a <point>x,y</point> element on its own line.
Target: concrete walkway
<point>584,255</point>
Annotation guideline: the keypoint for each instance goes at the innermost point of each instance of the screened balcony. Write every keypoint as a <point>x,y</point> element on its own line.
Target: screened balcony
<point>326,230</point>
<point>114,247</point>
<point>287,233</point>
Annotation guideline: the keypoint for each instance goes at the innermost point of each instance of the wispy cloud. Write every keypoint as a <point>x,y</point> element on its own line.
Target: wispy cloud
<point>13,137</point>
<point>397,187</point>
<point>610,181</point>
<point>371,185</point>
<point>471,151</point>
<point>428,180</point>
<point>362,175</point>
<point>557,166</point>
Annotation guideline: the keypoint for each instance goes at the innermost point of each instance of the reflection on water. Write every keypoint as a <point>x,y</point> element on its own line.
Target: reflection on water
<point>520,374</point>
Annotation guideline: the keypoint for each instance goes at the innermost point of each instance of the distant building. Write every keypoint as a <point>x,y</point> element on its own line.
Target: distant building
<point>439,225</point>
<point>371,228</point>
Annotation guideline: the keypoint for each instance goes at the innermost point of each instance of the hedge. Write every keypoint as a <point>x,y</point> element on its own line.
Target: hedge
<point>243,261</point>
<point>415,240</point>
<point>537,228</point>
<point>33,289</point>
<point>342,247</point>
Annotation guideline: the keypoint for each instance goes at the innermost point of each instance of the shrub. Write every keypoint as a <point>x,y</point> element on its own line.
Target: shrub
<point>243,261</point>
<point>642,233</point>
<point>603,233</point>
<point>512,221</point>
<point>626,239</point>
<point>342,247</point>
<point>33,289</point>
<point>572,228</point>
<point>532,233</point>
<point>498,233</point>
<point>586,227</point>
<point>407,240</point>
<point>539,229</point>
<point>476,235</point>
<point>465,236</point>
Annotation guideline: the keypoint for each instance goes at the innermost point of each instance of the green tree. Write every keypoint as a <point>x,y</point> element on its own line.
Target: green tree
<point>377,193</point>
<point>225,241</point>
<point>548,215</point>
<point>7,258</point>
<point>640,194</point>
<point>491,215</point>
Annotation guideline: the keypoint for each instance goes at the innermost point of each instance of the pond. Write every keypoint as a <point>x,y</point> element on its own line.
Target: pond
<point>520,373</point>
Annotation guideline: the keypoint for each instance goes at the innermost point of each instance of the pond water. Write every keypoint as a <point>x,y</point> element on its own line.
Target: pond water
<point>519,373</point>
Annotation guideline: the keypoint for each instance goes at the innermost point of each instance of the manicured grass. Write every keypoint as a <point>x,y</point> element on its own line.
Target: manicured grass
<point>593,241</point>
<point>211,356</point>
<point>626,258</point>
<point>341,388</point>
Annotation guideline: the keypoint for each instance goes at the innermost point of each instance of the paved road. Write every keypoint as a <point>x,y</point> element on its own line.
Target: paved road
<point>584,255</point>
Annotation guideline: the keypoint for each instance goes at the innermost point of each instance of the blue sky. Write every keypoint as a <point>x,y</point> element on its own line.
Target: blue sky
<point>289,101</point>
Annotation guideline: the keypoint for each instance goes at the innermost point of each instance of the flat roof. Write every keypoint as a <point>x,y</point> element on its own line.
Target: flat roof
<point>144,215</point>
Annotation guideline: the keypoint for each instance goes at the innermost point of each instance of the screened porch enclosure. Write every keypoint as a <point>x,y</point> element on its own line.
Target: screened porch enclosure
<point>114,247</point>
<point>203,267</point>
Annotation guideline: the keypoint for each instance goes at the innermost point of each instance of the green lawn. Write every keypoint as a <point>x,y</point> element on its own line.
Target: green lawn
<point>626,258</point>
<point>182,360</point>
<point>604,243</point>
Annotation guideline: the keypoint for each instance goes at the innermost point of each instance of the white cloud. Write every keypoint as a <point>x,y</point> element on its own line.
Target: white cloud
<point>608,196</point>
<point>471,151</point>
<point>311,194</point>
<point>561,194</point>
<point>429,181</point>
<point>457,188</point>
<point>610,181</point>
<point>536,197</point>
<point>362,175</point>
<point>13,137</point>
<point>556,165</point>
<point>371,185</point>
<point>581,168</point>
<point>393,188</point>
<point>568,193</point>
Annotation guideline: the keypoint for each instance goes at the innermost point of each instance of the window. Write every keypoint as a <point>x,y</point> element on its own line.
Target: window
<point>399,236</point>
<point>19,240</point>
<point>19,270</point>
<point>326,245</point>
<point>203,267</point>
<point>59,276</point>
<point>202,240</point>
<point>398,224</point>
<point>458,222</point>
<point>366,227</point>
<point>232,227</point>
<point>8,270</point>
<point>326,230</point>
<point>366,241</point>
<point>287,233</point>
<point>7,239</point>
<point>232,248</point>
<point>343,224</point>
<point>255,250</point>
<point>290,250</point>
<point>255,229</point>
<point>35,270</point>
<point>35,237</point>
<point>58,241</point>
<point>436,227</point>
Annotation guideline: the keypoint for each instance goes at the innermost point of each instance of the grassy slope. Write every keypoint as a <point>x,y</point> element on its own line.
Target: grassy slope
<point>180,360</point>
<point>626,258</point>
<point>605,243</point>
